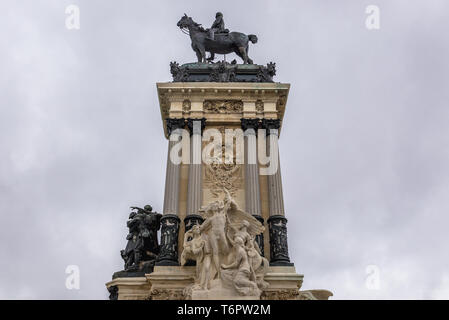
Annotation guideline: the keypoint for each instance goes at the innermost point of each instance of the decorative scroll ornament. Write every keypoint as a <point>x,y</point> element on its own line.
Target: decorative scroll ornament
<point>228,260</point>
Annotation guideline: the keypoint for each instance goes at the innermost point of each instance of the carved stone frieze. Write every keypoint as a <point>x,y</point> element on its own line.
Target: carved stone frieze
<point>223,106</point>
<point>166,294</point>
<point>284,294</point>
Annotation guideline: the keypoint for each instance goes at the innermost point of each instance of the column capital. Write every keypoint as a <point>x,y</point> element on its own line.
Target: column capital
<point>190,122</point>
<point>249,123</point>
<point>174,123</point>
<point>269,124</point>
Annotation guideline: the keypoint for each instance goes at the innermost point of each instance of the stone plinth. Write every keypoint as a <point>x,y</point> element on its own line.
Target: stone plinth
<point>284,284</point>
<point>136,288</point>
<point>173,282</point>
<point>169,282</point>
<point>219,291</point>
<point>222,72</point>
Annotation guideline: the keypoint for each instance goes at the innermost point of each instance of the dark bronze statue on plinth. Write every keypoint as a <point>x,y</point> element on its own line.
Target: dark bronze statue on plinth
<point>216,40</point>
<point>142,247</point>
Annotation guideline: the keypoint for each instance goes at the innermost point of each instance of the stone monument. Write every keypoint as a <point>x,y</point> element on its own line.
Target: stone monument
<point>223,226</point>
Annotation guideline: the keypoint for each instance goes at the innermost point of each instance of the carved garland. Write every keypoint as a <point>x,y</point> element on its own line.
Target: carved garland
<point>223,106</point>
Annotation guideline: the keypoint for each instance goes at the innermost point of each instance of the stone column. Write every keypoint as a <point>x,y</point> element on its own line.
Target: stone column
<point>277,222</point>
<point>168,255</point>
<point>194,189</point>
<point>252,186</point>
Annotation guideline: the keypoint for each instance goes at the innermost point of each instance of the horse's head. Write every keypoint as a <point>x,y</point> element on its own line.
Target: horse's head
<point>185,22</point>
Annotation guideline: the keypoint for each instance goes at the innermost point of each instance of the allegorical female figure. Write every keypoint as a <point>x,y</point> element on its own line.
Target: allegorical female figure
<point>240,272</point>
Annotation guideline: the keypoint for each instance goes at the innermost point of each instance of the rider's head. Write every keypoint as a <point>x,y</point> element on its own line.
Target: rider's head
<point>219,14</point>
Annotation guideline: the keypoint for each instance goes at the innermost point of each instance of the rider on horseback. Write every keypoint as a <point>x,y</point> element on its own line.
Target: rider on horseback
<point>217,26</point>
<point>236,42</point>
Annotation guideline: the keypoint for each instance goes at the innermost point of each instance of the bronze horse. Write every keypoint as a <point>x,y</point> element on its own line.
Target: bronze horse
<point>224,43</point>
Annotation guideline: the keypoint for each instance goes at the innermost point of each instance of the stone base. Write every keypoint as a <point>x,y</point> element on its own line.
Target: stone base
<point>169,282</point>
<point>219,291</point>
<point>172,282</point>
<point>219,294</point>
<point>136,288</point>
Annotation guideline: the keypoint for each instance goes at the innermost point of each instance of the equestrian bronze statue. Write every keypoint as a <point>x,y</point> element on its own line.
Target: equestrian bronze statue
<point>216,41</point>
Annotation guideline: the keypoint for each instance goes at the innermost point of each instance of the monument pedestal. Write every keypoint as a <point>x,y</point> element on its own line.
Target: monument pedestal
<point>171,282</point>
<point>130,288</point>
<point>220,292</point>
<point>222,122</point>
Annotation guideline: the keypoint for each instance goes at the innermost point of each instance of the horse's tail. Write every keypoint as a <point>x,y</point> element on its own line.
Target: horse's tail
<point>252,38</point>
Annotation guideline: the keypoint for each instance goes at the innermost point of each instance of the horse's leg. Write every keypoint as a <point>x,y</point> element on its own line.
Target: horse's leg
<point>243,55</point>
<point>203,55</point>
<point>199,56</point>
<point>250,61</point>
<point>197,52</point>
<point>212,57</point>
<point>237,52</point>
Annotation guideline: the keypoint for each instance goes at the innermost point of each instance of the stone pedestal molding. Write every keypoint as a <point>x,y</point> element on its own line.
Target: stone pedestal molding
<point>226,96</point>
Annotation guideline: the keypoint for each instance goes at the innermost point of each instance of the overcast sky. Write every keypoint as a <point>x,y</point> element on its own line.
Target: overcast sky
<point>364,147</point>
